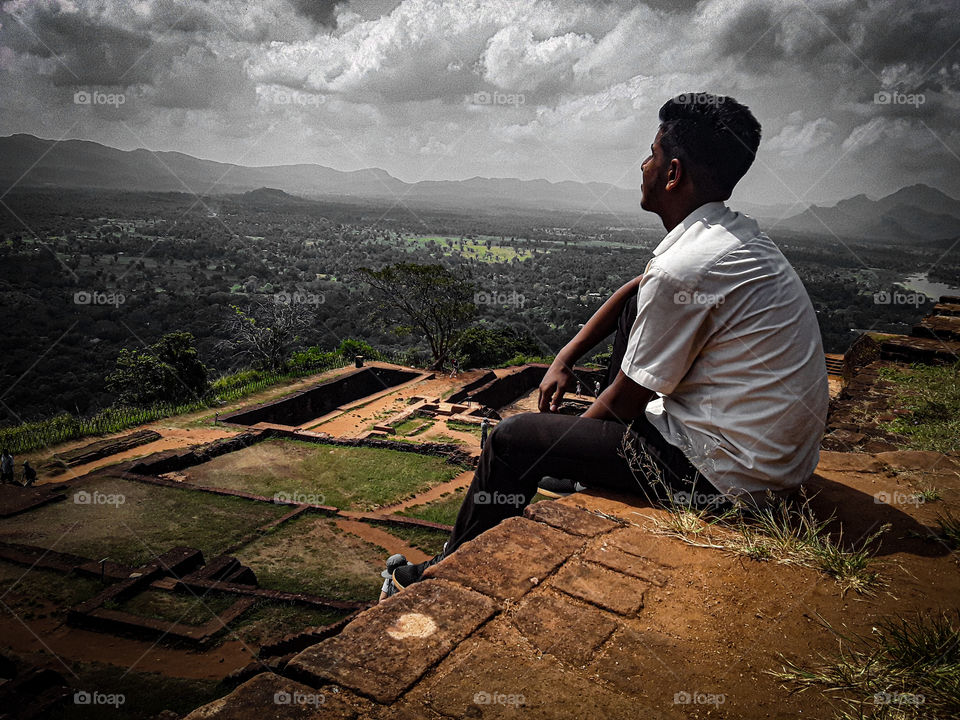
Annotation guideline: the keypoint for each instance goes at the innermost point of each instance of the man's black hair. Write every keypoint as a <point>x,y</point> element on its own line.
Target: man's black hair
<point>714,133</point>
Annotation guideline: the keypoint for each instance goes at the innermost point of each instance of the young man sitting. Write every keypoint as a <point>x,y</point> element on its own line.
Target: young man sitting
<point>718,370</point>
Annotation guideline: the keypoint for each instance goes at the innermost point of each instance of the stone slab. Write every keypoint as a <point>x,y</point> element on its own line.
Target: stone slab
<point>613,591</point>
<point>569,519</point>
<point>630,659</point>
<point>388,648</point>
<point>569,631</point>
<point>508,560</point>
<point>619,561</point>
<point>665,552</point>
<point>504,678</point>
<point>272,697</point>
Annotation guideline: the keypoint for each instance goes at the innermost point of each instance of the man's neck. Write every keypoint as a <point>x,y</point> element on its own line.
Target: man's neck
<point>673,216</point>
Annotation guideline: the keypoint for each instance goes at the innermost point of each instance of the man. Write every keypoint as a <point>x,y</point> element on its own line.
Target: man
<point>388,589</point>
<point>6,467</point>
<point>717,367</point>
<point>29,474</point>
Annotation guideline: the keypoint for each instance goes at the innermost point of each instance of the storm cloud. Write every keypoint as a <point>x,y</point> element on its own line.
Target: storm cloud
<point>853,97</point>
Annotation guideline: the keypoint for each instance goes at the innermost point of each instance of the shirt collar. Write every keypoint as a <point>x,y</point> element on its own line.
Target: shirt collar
<point>705,212</point>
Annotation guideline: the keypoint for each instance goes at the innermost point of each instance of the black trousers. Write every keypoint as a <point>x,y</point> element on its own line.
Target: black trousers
<point>525,447</point>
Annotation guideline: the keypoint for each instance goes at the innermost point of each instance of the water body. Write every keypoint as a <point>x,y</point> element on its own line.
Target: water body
<point>918,282</point>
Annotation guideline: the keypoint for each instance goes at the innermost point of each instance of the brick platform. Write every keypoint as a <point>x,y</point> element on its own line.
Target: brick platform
<point>567,612</point>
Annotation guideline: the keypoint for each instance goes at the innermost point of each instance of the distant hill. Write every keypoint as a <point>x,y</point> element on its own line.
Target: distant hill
<point>34,162</point>
<point>917,212</point>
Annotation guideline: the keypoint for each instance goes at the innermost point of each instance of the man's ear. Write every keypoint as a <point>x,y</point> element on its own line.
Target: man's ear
<point>674,174</point>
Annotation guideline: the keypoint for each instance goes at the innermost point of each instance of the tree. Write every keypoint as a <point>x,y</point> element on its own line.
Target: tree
<point>428,299</point>
<point>481,346</point>
<point>266,335</point>
<point>169,371</point>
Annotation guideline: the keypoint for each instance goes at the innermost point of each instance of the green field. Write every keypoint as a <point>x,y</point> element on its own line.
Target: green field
<point>357,478</point>
<point>312,555</point>
<point>150,521</point>
<point>472,248</point>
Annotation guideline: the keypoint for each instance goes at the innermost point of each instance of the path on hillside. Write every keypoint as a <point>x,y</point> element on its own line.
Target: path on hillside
<point>460,481</point>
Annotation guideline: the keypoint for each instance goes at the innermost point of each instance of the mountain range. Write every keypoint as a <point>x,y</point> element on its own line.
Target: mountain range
<point>917,212</point>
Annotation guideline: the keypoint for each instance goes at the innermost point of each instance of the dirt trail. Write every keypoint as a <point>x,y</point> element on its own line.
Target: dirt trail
<point>460,481</point>
<point>388,542</point>
<point>173,439</point>
<point>77,645</point>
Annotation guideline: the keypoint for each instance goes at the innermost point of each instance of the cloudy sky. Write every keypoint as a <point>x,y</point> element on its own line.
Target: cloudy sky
<point>560,89</point>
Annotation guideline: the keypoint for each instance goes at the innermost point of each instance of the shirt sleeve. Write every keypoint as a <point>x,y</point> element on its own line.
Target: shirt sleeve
<point>671,329</point>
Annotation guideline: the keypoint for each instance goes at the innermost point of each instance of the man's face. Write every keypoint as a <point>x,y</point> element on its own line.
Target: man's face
<point>653,169</point>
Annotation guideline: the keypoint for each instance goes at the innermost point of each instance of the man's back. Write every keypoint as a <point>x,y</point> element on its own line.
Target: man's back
<point>743,373</point>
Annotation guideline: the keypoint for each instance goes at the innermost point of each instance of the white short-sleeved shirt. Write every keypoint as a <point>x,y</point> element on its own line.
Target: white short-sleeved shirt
<point>726,335</point>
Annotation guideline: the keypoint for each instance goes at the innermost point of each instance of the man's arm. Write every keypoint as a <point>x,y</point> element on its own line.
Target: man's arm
<point>559,377</point>
<point>624,400</point>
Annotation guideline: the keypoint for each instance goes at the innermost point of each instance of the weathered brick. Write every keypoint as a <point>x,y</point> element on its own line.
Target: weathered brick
<point>272,697</point>
<point>631,659</point>
<point>568,631</point>
<point>569,519</point>
<point>389,647</point>
<point>503,678</point>
<point>616,559</point>
<point>598,585</point>
<point>665,552</point>
<point>508,560</point>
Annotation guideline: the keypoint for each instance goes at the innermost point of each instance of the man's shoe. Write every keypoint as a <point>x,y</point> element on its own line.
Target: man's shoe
<point>407,575</point>
<point>558,487</point>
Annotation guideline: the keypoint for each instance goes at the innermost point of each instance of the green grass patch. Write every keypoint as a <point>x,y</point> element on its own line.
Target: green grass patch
<point>358,478</point>
<point>784,531</point>
<point>906,668</point>
<point>177,607</point>
<point>429,541</point>
<point>931,394</point>
<point>34,594</point>
<point>148,522</point>
<point>948,529</point>
<point>413,426</point>
<point>444,510</point>
<point>461,426</point>
<point>474,249</point>
<point>312,555</point>
<point>267,622</point>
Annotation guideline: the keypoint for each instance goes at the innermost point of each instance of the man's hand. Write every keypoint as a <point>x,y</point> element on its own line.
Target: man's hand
<point>623,401</point>
<point>558,379</point>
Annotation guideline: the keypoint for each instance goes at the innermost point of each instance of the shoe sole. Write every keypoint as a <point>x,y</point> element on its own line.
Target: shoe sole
<point>553,495</point>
